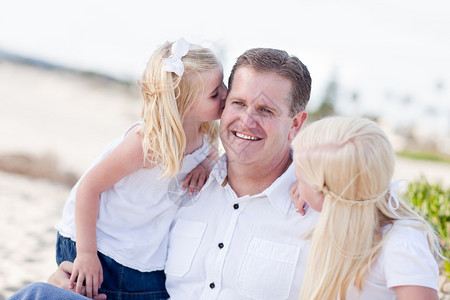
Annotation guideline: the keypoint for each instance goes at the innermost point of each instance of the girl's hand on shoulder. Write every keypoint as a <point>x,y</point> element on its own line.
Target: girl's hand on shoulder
<point>87,270</point>
<point>298,202</point>
<point>200,174</point>
<point>195,179</point>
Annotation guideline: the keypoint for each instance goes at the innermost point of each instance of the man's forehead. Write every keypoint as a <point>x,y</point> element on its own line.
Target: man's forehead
<point>264,87</point>
<point>261,79</point>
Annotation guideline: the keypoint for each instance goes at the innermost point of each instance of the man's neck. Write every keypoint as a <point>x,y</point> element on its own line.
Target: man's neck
<point>252,179</point>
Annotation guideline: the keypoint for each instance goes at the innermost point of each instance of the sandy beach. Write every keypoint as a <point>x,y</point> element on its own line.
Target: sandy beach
<point>53,124</point>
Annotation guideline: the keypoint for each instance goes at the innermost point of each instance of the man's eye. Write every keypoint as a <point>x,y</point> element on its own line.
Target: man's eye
<point>265,110</point>
<point>238,103</point>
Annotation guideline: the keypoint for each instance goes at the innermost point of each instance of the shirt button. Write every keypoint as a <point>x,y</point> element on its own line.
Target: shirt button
<point>212,285</point>
<point>220,245</point>
<point>236,206</point>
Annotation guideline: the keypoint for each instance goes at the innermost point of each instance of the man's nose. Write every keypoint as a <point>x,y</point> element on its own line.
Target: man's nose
<point>249,118</point>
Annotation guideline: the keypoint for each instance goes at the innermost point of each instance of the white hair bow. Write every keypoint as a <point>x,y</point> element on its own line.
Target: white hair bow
<point>174,64</point>
<point>393,197</point>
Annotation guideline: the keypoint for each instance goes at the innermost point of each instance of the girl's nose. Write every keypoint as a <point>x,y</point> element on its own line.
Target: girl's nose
<point>223,92</point>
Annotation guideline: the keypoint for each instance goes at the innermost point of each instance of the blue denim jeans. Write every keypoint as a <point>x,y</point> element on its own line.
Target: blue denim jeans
<point>45,291</point>
<point>119,282</point>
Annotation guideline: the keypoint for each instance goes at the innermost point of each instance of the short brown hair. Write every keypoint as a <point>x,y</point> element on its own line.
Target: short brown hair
<point>283,64</point>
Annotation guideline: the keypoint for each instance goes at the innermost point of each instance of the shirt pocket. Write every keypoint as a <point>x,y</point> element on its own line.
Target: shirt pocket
<point>185,238</point>
<point>267,270</point>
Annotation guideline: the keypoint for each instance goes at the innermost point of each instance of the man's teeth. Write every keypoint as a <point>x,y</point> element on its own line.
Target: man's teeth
<point>247,137</point>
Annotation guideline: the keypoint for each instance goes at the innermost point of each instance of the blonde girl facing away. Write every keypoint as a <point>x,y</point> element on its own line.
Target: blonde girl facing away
<point>116,221</point>
<point>367,243</point>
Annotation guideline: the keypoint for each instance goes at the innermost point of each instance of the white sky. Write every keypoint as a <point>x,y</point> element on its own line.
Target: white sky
<point>385,50</point>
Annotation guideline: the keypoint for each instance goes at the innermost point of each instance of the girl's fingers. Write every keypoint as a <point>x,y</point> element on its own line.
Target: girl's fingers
<point>79,287</point>
<point>201,182</point>
<point>100,279</point>
<point>186,181</point>
<point>89,288</point>
<point>302,210</point>
<point>72,279</point>
<point>193,184</point>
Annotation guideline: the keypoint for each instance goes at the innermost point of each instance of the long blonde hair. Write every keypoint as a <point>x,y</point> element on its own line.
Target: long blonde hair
<point>351,161</point>
<point>167,97</point>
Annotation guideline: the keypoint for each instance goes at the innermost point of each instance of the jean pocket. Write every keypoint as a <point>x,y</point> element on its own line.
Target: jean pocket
<point>267,270</point>
<point>65,249</point>
<point>185,238</point>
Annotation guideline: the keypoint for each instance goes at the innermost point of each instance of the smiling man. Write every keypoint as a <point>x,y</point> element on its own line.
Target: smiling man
<point>242,239</point>
<point>257,127</point>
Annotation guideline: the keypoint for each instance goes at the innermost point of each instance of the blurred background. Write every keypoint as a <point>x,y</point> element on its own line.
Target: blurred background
<point>68,73</point>
<point>388,60</point>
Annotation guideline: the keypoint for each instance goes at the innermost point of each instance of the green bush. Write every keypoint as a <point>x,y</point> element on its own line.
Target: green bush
<point>432,201</point>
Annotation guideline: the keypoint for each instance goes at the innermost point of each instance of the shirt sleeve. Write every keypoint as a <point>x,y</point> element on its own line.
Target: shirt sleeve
<point>408,259</point>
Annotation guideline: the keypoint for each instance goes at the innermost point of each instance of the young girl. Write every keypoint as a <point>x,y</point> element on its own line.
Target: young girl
<point>367,244</point>
<point>120,211</point>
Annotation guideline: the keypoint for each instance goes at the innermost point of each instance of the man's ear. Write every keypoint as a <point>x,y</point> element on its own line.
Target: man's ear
<point>297,123</point>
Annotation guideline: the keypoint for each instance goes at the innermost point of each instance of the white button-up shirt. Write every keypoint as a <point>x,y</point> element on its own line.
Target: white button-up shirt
<point>229,247</point>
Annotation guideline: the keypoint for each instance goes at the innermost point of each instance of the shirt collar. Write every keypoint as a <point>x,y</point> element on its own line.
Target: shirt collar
<point>277,192</point>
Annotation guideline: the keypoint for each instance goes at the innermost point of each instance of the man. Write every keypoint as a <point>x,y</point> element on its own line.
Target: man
<point>243,239</point>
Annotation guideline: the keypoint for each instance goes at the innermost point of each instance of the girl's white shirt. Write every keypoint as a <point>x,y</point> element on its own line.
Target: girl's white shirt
<point>405,259</point>
<point>135,214</point>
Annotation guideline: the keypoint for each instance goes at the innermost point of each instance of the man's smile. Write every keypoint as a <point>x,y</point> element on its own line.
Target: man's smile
<point>245,137</point>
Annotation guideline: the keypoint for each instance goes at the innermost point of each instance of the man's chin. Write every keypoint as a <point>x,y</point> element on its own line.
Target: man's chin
<point>240,156</point>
